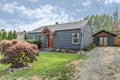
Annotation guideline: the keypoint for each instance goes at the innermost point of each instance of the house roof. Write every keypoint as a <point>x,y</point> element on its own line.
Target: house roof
<point>20,33</point>
<point>64,26</point>
<point>105,32</point>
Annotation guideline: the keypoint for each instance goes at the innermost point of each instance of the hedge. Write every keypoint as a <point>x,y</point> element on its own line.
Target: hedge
<point>37,42</point>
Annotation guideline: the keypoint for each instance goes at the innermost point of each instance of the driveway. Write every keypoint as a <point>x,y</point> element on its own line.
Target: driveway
<point>103,63</point>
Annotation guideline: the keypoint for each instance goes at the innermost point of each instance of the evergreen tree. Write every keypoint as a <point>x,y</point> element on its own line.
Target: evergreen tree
<point>1,37</point>
<point>14,35</point>
<point>4,35</point>
<point>25,36</point>
<point>10,35</point>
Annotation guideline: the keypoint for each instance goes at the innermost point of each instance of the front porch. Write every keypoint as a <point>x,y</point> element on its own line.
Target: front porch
<point>47,39</point>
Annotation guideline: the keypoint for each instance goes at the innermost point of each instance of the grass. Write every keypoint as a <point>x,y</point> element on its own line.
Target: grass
<point>47,64</point>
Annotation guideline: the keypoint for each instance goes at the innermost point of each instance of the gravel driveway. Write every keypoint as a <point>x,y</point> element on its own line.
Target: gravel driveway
<point>103,63</point>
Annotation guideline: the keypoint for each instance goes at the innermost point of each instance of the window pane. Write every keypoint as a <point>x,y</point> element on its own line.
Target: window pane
<point>75,35</point>
<point>76,41</point>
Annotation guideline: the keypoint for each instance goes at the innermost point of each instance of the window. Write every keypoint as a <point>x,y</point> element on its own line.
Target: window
<point>33,37</point>
<point>37,37</point>
<point>75,38</point>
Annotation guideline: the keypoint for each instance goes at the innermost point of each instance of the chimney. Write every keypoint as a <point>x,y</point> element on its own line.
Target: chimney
<point>56,23</point>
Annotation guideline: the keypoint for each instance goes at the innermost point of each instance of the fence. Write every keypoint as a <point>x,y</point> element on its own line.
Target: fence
<point>117,41</point>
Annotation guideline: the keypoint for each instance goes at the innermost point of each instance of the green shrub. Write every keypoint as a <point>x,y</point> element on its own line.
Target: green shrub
<point>4,35</point>
<point>67,50</point>
<point>25,36</point>
<point>53,50</point>
<point>63,50</point>
<point>14,35</point>
<point>58,50</point>
<point>10,35</point>
<point>89,47</point>
<point>32,41</point>
<point>37,42</point>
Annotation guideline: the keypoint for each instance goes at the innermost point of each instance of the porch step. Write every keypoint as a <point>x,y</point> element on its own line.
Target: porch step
<point>47,49</point>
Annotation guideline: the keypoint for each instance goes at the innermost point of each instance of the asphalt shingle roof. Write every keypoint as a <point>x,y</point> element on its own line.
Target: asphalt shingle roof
<point>64,26</point>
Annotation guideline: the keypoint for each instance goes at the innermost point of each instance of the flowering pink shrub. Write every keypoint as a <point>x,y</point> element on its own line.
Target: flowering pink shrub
<point>18,53</point>
<point>5,45</point>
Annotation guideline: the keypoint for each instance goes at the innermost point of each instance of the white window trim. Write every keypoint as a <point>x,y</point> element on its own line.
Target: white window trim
<point>82,39</point>
<point>76,38</point>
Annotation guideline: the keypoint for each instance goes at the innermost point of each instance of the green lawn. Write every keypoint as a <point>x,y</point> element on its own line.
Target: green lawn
<point>47,64</point>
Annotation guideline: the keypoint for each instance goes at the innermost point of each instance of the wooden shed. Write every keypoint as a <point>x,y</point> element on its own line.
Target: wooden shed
<point>104,38</point>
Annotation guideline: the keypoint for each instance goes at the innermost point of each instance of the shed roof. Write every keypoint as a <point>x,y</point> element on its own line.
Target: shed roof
<point>105,32</point>
<point>64,26</point>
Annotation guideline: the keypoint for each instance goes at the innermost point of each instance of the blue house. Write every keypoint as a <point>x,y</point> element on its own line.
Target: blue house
<point>73,35</point>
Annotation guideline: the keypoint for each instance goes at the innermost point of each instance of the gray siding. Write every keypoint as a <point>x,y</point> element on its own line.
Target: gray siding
<point>33,35</point>
<point>63,39</point>
<point>87,35</point>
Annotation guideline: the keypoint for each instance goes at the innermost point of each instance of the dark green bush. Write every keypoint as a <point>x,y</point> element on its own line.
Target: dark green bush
<point>63,50</point>
<point>67,50</point>
<point>60,50</point>
<point>89,47</point>
<point>37,42</point>
<point>53,50</point>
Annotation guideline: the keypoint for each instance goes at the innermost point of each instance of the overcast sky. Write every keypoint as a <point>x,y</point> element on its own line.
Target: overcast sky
<point>30,14</point>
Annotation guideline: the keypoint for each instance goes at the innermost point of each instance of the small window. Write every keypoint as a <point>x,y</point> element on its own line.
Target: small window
<point>75,38</point>
<point>36,37</point>
<point>33,37</point>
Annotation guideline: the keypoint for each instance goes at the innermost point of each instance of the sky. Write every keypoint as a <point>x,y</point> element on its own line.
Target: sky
<point>27,15</point>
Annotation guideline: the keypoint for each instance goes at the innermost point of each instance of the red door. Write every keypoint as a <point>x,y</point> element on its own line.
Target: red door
<point>50,41</point>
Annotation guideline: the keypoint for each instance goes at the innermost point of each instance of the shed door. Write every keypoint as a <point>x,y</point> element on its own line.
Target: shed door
<point>103,41</point>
